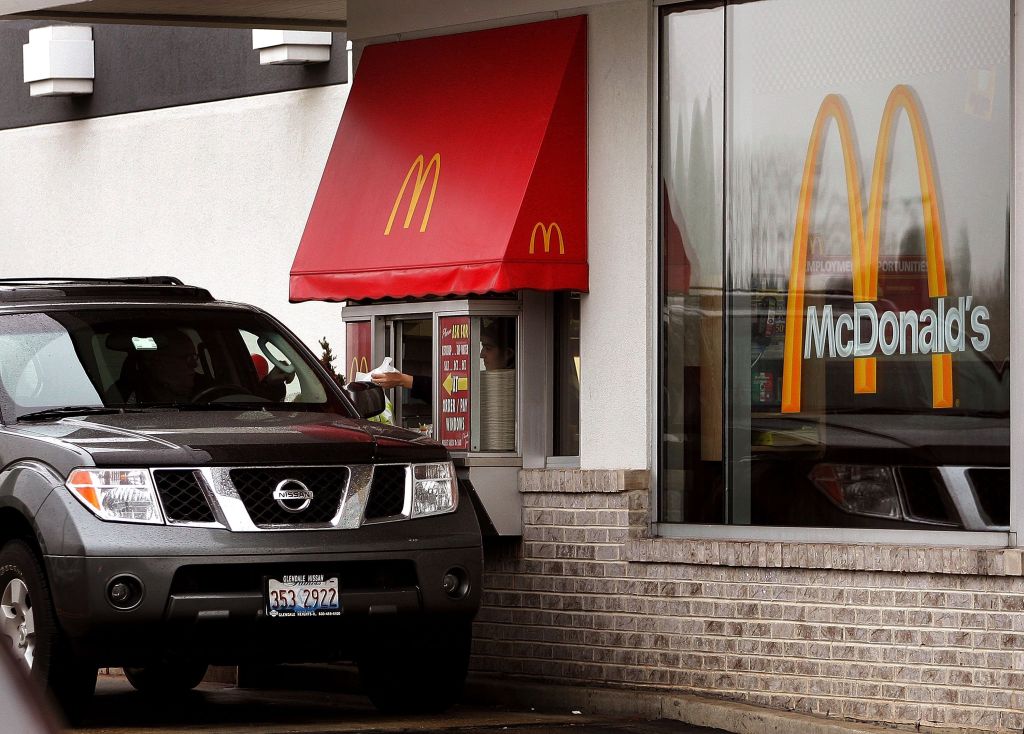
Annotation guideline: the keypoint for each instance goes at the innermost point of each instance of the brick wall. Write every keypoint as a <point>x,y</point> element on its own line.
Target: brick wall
<point>899,634</point>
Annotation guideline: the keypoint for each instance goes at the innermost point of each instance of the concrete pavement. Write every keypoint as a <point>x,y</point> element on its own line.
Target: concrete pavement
<point>522,694</point>
<point>650,704</point>
<point>219,708</point>
<point>309,699</point>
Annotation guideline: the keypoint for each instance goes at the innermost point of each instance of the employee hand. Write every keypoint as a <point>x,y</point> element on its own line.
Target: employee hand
<point>388,380</point>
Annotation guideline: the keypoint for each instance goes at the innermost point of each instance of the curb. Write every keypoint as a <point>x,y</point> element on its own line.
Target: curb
<point>496,690</point>
<point>739,718</point>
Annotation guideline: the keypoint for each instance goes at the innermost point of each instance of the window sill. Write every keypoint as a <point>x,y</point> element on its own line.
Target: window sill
<point>915,552</point>
<point>562,462</point>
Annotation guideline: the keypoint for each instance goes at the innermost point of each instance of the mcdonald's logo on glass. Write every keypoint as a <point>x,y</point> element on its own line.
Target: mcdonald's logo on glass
<point>546,233</point>
<point>940,332</point>
<point>421,172</point>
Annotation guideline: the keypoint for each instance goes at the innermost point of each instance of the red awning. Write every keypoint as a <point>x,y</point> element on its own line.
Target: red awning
<point>459,167</point>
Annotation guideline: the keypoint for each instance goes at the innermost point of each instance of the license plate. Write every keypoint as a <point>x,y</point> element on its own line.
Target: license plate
<point>303,595</point>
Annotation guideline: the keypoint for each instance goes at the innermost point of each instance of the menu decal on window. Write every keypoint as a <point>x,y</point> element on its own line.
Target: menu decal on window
<point>453,378</point>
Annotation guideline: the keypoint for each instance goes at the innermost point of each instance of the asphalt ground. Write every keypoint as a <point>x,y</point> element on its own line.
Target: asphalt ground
<point>219,708</point>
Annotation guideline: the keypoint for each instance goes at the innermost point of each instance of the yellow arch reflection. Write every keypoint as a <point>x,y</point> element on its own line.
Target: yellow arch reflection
<point>864,238</point>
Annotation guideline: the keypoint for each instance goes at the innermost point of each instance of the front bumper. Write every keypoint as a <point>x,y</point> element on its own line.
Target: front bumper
<point>213,606</point>
<point>203,588</point>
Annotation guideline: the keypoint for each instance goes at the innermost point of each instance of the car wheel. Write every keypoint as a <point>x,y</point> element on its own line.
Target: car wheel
<point>167,677</point>
<point>28,623</point>
<point>419,670</point>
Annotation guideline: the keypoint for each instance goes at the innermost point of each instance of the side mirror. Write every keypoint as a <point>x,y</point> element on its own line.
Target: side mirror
<point>367,397</point>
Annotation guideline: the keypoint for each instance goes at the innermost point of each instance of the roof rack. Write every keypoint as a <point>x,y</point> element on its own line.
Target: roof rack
<point>143,289</point>
<point>131,280</point>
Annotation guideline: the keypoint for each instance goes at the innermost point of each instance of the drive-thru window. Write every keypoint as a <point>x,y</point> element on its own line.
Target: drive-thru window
<point>456,233</point>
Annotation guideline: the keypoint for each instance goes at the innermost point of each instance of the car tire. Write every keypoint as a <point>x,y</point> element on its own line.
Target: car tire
<point>419,670</point>
<point>167,677</point>
<point>29,622</point>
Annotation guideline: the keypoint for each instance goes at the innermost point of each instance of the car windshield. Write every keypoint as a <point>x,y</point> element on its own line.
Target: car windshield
<point>138,358</point>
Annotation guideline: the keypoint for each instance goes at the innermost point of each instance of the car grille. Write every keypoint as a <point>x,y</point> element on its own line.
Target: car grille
<point>256,489</point>
<point>992,486</point>
<point>378,574</point>
<point>182,496</point>
<point>926,495</point>
<point>387,492</point>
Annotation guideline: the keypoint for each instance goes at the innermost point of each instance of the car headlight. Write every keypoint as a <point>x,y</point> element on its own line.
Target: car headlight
<point>859,489</point>
<point>434,489</point>
<point>123,495</point>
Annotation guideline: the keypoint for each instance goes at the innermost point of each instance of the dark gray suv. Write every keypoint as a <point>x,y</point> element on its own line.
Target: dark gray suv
<point>183,484</point>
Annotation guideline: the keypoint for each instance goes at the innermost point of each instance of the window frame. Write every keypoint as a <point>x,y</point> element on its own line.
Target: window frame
<point>660,9</point>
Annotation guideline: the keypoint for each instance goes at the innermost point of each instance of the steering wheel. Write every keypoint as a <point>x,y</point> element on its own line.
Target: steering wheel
<point>222,389</point>
<point>287,367</point>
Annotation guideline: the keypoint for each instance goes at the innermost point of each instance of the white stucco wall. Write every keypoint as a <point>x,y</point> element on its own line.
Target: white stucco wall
<point>616,415</point>
<point>216,194</point>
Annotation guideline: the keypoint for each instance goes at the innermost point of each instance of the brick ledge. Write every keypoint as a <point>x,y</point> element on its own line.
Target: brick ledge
<point>583,480</point>
<point>836,556</point>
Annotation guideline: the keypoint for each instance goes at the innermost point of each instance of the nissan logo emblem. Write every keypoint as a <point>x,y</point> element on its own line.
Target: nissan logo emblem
<point>292,495</point>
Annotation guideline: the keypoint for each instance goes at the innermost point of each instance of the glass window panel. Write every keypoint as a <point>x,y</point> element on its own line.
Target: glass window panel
<point>357,349</point>
<point>497,352</point>
<point>416,358</point>
<point>567,375</point>
<point>692,125</point>
<point>866,249</point>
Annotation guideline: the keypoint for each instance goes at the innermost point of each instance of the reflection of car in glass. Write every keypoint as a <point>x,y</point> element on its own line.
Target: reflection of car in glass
<point>881,470</point>
<point>185,485</point>
<point>882,460</point>
<point>887,459</point>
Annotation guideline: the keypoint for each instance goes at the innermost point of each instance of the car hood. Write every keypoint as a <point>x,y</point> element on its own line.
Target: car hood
<point>250,437</point>
<point>910,439</point>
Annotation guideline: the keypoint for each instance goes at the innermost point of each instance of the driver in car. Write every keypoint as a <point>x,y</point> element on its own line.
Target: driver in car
<point>167,374</point>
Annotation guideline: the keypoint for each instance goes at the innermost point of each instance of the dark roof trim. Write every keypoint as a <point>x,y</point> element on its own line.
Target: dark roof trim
<point>214,21</point>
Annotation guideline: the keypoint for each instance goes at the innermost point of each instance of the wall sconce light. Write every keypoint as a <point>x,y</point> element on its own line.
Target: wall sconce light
<point>292,47</point>
<point>59,60</point>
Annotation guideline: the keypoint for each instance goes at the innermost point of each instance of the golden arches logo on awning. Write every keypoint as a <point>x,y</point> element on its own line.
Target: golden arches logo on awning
<point>546,232</point>
<point>864,236</point>
<point>421,173</point>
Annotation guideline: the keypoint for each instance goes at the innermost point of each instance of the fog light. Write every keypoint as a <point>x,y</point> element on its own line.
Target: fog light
<point>455,583</point>
<point>124,592</point>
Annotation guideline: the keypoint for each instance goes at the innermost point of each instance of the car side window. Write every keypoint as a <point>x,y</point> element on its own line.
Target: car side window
<point>275,369</point>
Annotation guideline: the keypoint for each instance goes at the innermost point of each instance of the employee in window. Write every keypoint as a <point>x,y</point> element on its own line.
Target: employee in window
<point>497,352</point>
<point>497,345</point>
